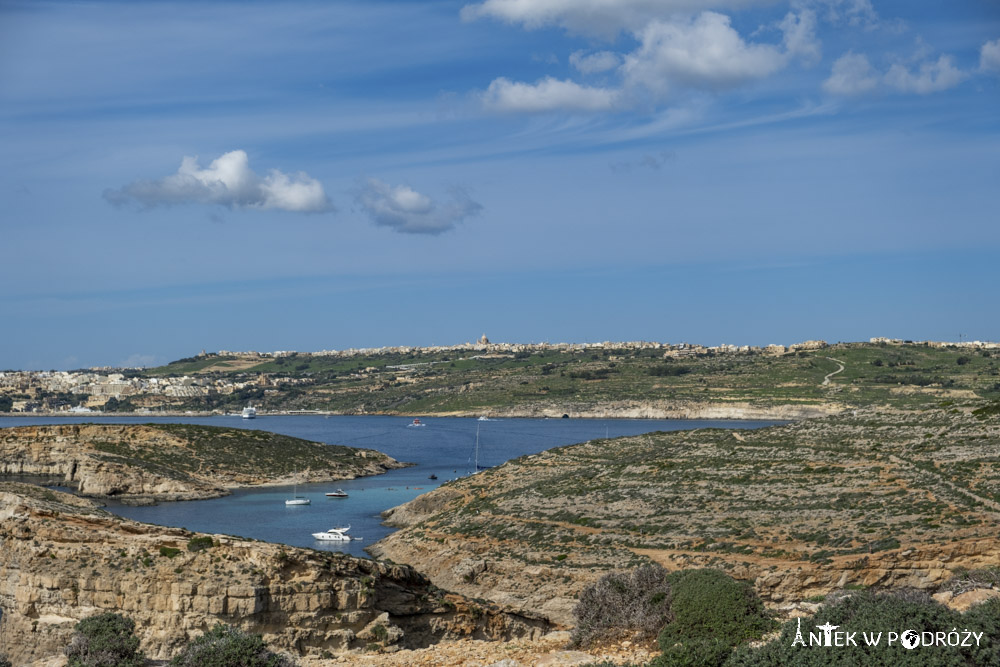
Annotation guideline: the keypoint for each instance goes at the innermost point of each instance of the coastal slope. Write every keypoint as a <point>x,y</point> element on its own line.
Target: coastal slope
<point>871,498</point>
<point>65,559</point>
<point>175,461</point>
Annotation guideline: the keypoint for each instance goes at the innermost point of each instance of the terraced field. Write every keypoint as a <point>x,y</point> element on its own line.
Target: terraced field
<point>873,497</point>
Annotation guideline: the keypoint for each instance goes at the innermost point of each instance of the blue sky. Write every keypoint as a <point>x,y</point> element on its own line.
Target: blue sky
<point>313,175</point>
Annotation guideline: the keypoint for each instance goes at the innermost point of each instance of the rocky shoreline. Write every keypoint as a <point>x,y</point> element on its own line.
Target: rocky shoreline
<point>734,410</point>
<point>65,559</point>
<point>160,462</point>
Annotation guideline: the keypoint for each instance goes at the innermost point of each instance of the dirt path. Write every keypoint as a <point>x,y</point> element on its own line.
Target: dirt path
<point>826,379</point>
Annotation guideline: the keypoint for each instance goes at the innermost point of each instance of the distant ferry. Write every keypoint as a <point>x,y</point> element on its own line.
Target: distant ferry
<point>249,412</point>
<point>415,423</point>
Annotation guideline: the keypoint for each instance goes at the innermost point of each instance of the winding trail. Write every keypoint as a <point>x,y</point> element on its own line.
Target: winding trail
<point>826,379</point>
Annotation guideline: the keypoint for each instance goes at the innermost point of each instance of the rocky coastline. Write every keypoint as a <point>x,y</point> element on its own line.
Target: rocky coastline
<point>159,462</point>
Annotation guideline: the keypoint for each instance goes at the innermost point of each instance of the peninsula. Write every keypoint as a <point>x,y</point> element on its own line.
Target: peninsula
<point>175,461</point>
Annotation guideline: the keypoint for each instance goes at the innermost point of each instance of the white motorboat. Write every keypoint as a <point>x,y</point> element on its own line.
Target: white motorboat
<point>249,412</point>
<point>334,535</point>
<point>339,493</point>
<point>416,423</point>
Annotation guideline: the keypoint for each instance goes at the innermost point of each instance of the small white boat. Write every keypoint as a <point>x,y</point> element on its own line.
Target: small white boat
<point>339,493</point>
<point>249,412</point>
<point>334,535</point>
<point>416,423</point>
<point>295,499</point>
<point>484,418</point>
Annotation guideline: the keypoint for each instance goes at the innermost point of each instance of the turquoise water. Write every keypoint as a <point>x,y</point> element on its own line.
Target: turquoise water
<point>443,447</point>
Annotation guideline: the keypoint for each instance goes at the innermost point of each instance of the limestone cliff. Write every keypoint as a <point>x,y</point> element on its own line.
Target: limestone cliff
<point>175,461</point>
<point>62,559</point>
<point>667,409</point>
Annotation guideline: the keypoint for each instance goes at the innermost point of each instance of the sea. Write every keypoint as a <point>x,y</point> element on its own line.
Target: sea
<point>443,447</point>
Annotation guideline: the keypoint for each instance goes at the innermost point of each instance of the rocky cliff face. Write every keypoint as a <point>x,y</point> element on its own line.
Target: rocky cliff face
<point>62,559</point>
<point>174,462</point>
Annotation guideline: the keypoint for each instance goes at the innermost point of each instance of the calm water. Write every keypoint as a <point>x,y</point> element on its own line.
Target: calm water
<point>443,447</point>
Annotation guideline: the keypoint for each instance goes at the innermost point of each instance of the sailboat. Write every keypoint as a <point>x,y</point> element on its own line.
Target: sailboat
<point>295,499</point>
<point>478,467</point>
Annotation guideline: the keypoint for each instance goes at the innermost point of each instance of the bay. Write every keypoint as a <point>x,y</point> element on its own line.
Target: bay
<point>444,447</point>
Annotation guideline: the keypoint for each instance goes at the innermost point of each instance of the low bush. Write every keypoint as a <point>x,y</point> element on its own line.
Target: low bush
<point>634,604</point>
<point>200,543</point>
<point>706,652</point>
<point>105,640</point>
<point>226,646</point>
<point>711,605</point>
<point>873,613</point>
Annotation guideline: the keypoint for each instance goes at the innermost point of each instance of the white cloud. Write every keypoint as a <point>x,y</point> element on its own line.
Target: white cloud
<point>855,13</point>
<point>599,17</point>
<point>406,210</point>
<point>602,61</point>
<point>705,52</point>
<point>852,75</point>
<point>800,35</point>
<point>931,77</point>
<point>547,95</point>
<point>989,56</point>
<point>227,181</point>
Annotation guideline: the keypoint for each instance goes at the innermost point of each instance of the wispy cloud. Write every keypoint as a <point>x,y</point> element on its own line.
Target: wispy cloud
<point>405,210</point>
<point>547,95</point>
<point>852,74</point>
<point>228,181</point>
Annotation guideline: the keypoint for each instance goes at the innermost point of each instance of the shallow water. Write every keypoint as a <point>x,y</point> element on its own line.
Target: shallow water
<point>443,446</point>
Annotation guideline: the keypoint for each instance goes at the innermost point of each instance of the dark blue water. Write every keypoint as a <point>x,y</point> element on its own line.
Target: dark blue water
<point>444,447</point>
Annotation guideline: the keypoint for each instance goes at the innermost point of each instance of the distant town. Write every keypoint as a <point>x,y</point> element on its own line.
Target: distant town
<point>98,389</point>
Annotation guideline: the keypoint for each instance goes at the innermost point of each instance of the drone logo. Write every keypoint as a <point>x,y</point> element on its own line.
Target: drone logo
<point>910,639</point>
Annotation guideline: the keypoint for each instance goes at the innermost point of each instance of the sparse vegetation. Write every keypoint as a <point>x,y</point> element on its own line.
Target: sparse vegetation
<point>105,640</point>
<point>199,543</point>
<point>630,604</point>
<point>226,646</point>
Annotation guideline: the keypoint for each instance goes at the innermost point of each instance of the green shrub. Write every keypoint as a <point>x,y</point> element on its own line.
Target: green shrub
<point>169,552</point>
<point>708,607</point>
<point>226,646</point>
<point>200,543</point>
<point>668,370</point>
<point>4,662</point>
<point>711,605</point>
<point>706,652</point>
<point>618,604</point>
<point>105,640</point>
<point>882,612</point>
